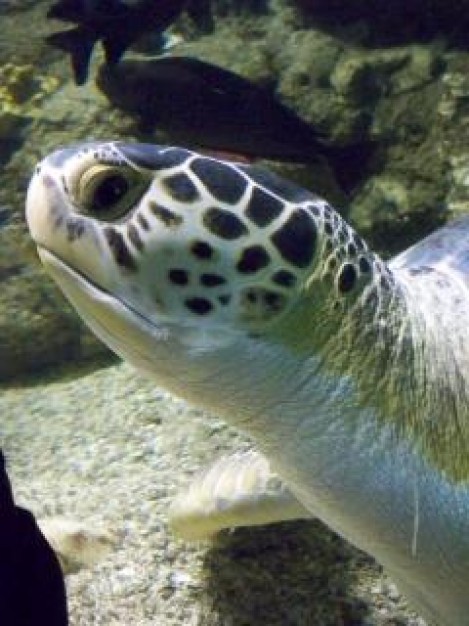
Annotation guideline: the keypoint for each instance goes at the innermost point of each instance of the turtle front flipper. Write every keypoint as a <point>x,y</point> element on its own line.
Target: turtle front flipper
<point>238,490</point>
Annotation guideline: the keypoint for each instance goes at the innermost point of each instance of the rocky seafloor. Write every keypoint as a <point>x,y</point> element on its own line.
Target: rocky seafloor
<point>108,450</point>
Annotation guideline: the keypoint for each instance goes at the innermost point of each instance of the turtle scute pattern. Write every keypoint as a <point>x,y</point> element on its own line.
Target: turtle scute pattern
<point>239,241</point>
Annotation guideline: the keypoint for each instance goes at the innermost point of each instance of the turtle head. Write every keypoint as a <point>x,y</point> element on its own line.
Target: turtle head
<point>182,244</point>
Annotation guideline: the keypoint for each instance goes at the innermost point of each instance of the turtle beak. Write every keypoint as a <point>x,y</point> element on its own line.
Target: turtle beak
<point>57,227</point>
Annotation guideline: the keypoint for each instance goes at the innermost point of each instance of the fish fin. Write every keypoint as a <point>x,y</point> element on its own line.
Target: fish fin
<point>66,10</point>
<point>114,48</point>
<point>79,44</point>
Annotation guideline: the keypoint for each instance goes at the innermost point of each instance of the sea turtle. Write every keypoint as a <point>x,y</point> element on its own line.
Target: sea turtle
<point>253,298</point>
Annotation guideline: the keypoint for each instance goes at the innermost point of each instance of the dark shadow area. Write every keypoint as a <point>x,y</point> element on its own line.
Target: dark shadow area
<point>391,237</point>
<point>354,164</point>
<point>225,7</point>
<point>394,22</point>
<point>11,143</point>
<point>289,574</point>
<point>63,372</point>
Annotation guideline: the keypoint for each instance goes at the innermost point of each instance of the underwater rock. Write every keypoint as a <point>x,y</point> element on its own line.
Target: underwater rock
<point>15,6</point>
<point>22,93</point>
<point>362,78</point>
<point>383,200</point>
<point>36,329</point>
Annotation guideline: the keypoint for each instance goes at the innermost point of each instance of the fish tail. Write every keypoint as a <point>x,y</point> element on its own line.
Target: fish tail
<point>114,48</point>
<point>79,44</point>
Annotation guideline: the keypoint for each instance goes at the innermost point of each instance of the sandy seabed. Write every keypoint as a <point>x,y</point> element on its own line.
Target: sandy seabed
<point>110,450</point>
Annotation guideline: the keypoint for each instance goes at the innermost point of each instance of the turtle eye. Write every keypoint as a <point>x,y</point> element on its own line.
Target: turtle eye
<point>109,192</point>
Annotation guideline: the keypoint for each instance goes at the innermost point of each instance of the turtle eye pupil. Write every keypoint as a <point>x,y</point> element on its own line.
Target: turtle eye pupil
<point>109,191</point>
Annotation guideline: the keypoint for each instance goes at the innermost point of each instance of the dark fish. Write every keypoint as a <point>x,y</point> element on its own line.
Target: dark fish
<point>116,23</point>
<point>202,105</point>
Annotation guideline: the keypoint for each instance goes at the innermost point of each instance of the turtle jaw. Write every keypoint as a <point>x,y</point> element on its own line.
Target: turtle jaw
<point>126,331</point>
<point>156,348</point>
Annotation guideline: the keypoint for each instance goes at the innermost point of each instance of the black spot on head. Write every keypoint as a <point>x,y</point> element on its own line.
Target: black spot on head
<point>64,184</point>
<point>202,250</point>
<point>364,265</point>
<point>224,299</point>
<point>343,235</point>
<point>260,303</point>
<point>167,217</point>
<point>252,260</point>
<point>75,228</point>
<point>352,249</point>
<point>134,236</point>
<point>273,301</point>
<point>358,241</point>
<point>223,181</point>
<point>384,283</point>
<point>58,221</point>
<point>212,280</point>
<point>277,185</point>
<point>341,253</point>
<point>296,239</point>
<point>199,306</point>
<point>314,209</point>
<point>142,220</point>
<point>172,157</point>
<point>284,278</point>
<point>119,250</point>
<point>224,224</point>
<point>180,187</point>
<point>178,277</point>
<point>263,208</point>
<point>347,278</point>
<point>372,298</point>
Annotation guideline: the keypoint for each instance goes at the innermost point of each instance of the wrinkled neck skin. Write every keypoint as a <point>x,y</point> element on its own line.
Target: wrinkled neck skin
<point>314,409</point>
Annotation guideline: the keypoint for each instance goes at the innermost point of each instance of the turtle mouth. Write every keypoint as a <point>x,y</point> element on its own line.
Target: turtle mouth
<point>108,316</point>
